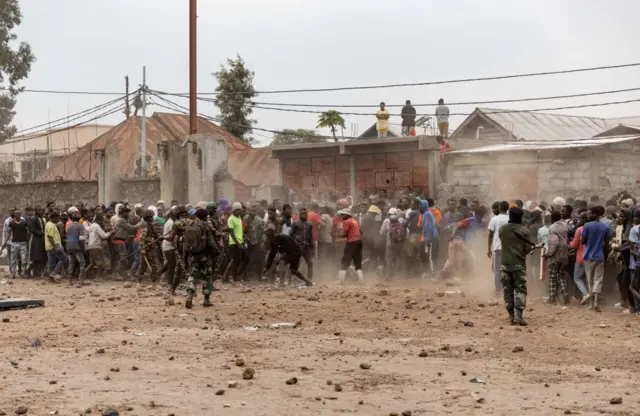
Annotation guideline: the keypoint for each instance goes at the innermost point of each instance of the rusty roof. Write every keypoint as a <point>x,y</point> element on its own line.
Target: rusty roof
<point>82,164</point>
<point>254,167</point>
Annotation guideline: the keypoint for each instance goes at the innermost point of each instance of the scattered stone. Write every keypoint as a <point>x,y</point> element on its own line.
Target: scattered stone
<point>53,382</point>
<point>107,378</point>
<point>468,349</point>
<point>615,400</point>
<point>423,354</point>
<point>110,412</point>
<point>128,285</point>
<point>337,387</point>
<point>518,348</point>
<point>100,351</point>
<point>6,320</point>
<point>171,358</point>
<point>248,373</point>
<point>567,412</point>
<point>232,384</point>
<point>134,368</point>
<point>464,373</point>
<point>226,405</point>
<point>546,384</point>
<point>365,366</point>
<point>220,392</point>
<point>114,370</point>
<point>329,382</point>
<point>406,413</point>
<point>598,368</point>
<point>292,381</point>
<point>383,292</point>
<point>360,401</point>
<point>169,302</point>
<point>239,362</point>
<point>22,410</point>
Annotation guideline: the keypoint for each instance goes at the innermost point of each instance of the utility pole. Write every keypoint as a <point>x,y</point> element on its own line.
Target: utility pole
<point>33,166</point>
<point>143,145</point>
<point>193,74</point>
<point>127,112</point>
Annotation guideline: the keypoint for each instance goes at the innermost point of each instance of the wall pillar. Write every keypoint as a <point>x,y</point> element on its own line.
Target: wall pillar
<point>352,176</point>
<point>206,156</point>
<point>173,172</point>
<point>108,174</point>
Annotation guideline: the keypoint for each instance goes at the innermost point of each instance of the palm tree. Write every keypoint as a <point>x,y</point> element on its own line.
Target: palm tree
<point>331,119</point>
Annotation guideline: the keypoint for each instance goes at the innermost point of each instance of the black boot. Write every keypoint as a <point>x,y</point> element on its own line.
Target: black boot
<point>567,299</point>
<point>512,318</point>
<point>519,320</point>
<point>207,302</point>
<point>189,302</point>
<point>596,302</point>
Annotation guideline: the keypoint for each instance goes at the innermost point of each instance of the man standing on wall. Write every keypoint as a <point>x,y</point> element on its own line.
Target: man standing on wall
<point>442,115</point>
<point>383,121</point>
<point>408,114</point>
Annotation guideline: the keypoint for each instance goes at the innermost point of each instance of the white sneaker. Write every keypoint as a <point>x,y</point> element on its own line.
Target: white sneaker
<point>618,305</point>
<point>625,312</point>
<point>585,299</point>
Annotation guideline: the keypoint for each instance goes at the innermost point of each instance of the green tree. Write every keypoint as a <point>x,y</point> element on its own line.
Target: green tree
<point>331,119</point>
<point>235,91</point>
<point>15,64</point>
<point>294,136</point>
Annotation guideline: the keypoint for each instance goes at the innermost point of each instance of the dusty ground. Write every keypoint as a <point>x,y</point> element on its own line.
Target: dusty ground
<point>107,346</point>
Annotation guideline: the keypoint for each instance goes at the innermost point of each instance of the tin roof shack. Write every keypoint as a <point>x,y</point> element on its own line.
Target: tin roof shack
<point>542,170</point>
<point>360,167</point>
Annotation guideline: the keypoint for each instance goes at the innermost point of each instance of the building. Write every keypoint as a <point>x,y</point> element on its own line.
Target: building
<point>29,155</point>
<point>538,156</point>
<point>126,137</point>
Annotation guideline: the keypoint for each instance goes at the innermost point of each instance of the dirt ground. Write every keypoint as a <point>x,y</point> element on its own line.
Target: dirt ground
<point>106,346</point>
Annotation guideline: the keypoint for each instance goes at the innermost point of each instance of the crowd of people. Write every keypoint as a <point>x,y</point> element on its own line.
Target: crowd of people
<point>580,243</point>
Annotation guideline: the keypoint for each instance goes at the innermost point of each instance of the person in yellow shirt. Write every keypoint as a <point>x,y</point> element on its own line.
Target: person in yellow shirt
<point>53,245</point>
<point>383,121</point>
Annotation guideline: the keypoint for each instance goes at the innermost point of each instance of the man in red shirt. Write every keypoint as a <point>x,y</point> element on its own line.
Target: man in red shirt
<point>353,247</point>
<point>444,157</point>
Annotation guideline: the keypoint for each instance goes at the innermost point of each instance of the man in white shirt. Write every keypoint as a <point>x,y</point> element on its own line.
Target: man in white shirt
<point>494,246</point>
<point>169,255</point>
<point>97,236</point>
<point>442,115</point>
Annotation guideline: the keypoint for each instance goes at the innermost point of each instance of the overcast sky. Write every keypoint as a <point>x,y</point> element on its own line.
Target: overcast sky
<point>90,45</point>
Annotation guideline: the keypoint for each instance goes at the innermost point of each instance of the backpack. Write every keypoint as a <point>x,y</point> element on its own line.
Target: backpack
<point>397,233</point>
<point>194,239</point>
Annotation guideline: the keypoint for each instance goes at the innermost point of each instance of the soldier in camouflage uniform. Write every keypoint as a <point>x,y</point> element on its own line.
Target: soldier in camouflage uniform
<point>516,244</point>
<point>200,263</point>
<point>179,224</point>
<point>148,241</point>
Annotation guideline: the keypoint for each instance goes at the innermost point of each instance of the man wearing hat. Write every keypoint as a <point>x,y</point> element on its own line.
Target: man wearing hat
<point>353,247</point>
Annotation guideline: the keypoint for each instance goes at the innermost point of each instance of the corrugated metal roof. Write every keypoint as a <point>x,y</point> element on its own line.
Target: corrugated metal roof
<point>535,126</point>
<point>546,145</point>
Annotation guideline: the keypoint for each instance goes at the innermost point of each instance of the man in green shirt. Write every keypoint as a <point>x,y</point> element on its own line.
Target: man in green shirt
<point>516,244</point>
<point>236,242</point>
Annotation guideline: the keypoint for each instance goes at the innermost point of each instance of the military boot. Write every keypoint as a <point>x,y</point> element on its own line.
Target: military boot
<point>189,302</point>
<point>519,320</point>
<point>512,319</point>
<point>207,302</point>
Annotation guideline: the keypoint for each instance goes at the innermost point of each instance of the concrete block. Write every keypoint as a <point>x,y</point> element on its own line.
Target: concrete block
<point>557,183</point>
<point>564,174</point>
<point>463,181</point>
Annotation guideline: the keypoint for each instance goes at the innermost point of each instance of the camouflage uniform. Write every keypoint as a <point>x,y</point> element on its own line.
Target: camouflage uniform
<point>514,284</point>
<point>199,265</point>
<point>178,228</point>
<point>148,239</point>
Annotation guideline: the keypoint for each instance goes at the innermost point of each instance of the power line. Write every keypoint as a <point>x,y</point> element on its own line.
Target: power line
<point>511,100</point>
<point>416,84</point>
<point>64,92</point>
<point>99,116</point>
<point>568,107</point>
<point>72,117</point>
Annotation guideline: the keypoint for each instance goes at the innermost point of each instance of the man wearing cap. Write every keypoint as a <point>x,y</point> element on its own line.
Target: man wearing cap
<point>353,247</point>
<point>302,234</point>
<point>236,242</point>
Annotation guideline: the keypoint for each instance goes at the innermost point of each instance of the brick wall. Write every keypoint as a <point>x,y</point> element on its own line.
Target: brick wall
<point>544,175</point>
<point>318,177</point>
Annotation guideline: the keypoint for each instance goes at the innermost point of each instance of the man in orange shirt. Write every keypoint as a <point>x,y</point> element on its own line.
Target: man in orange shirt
<point>353,247</point>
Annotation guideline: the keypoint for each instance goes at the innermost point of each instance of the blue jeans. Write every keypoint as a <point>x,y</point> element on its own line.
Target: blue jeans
<point>497,262</point>
<point>56,258</point>
<point>580,278</point>
<point>135,246</point>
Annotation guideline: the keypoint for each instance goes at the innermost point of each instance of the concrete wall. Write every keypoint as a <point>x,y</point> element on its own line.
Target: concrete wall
<point>38,193</point>
<point>543,175</point>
